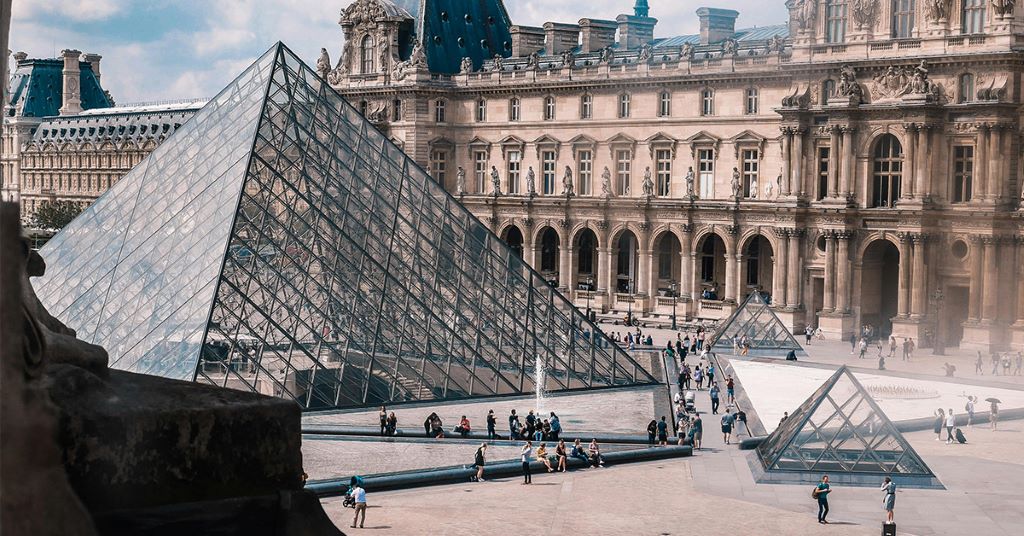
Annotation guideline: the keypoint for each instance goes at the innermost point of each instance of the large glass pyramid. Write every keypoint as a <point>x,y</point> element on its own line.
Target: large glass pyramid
<point>278,242</point>
<point>841,431</point>
<point>766,334</point>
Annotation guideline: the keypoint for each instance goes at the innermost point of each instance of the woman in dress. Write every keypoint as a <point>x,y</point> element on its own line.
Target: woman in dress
<point>940,419</point>
<point>889,501</point>
<point>542,456</point>
<point>562,455</point>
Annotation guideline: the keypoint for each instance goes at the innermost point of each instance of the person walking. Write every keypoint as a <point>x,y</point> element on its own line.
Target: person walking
<point>820,493</point>
<point>698,377</point>
<point>892,345</point>
<point>853,343</point>
<point>950,424</point>
<point>995,363</point>
<point>863,347</point>
<point>492,422</point>
<point>969,408</point>
<point>727,421</point>
<point>478,461</point>
<point>889,500</point>
<point>358,495</point>
<point>730,389</point>
<point>697,431</point>
<point>993,412</point>
<point>662,432</point>
<point>714,399</point>
<point>978,364</point>
<point>940,420</point>
<point>556,426</point>
<point>652,432</point>
<point>383,416</point>
<point>741,422</point>
<point>526,454</point>
<point>1020,364</point>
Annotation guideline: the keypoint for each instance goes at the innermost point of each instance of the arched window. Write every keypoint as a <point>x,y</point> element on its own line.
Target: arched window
<point>972,16</point>
<point>586,106</point>
<point>827,89</point>
<point>887,170</point>
<point>902,19</point>
<point>707,102</point>
<point>966,88</point>
<point>835,21</point>
<point>366,55</point>
<point>549,108</point>
<point>664,104</point>
<point>513,109</point>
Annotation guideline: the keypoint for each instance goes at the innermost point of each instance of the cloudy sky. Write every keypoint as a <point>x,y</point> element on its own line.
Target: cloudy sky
<point>174,49</point>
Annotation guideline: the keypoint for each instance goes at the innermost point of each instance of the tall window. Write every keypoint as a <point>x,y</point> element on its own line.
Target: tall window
<point>902,19</point>
<point>585,171</point>
<point>439,110</point>
<point>623,171</point>
<point>549,108</point>
<point>624,105</point>
<point>828,87</point>
<point>438,165</point>
<point>963,173</point>
<point>707,260</point>
<point>822,191</point>
<point>835,21</point>
<point>664,104</point>
<point>706,170</point>
<point>513,109</point>
<point>972,16</point>
<point>366,55</point>
<point>586,106</point>
<point>547,161</point>
<point>752,97</point>
<point>396,110</point>
<point>665,256</point>
<point>966,92</point>
<point>887,171</point>
<point>480,170</point>
<point>750,169</point>
<point>481,110</point>
<point>515,164</point>
<point>663,161</point>
<point>707,102</point>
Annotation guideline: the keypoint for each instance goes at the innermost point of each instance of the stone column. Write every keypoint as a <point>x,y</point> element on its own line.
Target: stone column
<point>994,171</point>
<point>643,280</point>
<point>685,261</point>
<point>604,270</point>
<point>1020,277</point>
<point>835,148</point>
<point>795,269</point>
<point>830,272</point>
<point>529,249</point>
<point>565,268</point>
<point>731,262</point>
<point>906,260</point>
<point>843,272</point>
<point>981,163</point>
<point>909,159</point>
<point>781,269</point>
<point>797,183</point>
<point>990,274</point>
<point>921,167</point>
<point>976,279</point>
<point>787,143</point>
<point>846,168</point>
<point>919,283</point>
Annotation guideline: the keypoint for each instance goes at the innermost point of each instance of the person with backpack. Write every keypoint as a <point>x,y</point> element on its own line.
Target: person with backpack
<point>821,492</point>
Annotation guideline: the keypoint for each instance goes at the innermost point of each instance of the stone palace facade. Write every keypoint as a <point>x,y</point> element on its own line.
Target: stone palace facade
<point>860,164</point>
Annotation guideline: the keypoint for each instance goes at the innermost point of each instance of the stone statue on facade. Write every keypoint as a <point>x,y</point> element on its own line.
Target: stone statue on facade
<point>460,181</point>
<point>865,13</point>
<point>735,183</point>
<point>647,185</point>
<point>384,53</point>
<point>937,10</point>
<point>568,59</point>
<point>323,64</point>
<point>753,188</point>
<point>466,65</point>
<point>686,51</point>
<point>1003,8</point>
<point>495,182</point>
<point>418,58</point>
<point>848,87</point>
<point>498,64</point>
<point>567,187</point>
<point>645,55</point>
<point>730,47</point>
<point>769,189</point>
<point>606,183</point>
<point>690,183</point>
<point>607,54</point>
<point>531,182</point>
<point>804,13</point>
<point>533,60</point>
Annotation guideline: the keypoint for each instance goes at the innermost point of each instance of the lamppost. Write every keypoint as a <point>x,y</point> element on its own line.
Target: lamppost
<point>673,287</point>
<point>629,306</point>
<point>939,347</point>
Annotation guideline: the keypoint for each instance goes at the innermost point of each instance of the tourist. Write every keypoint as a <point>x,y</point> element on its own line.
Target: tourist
<point>556,426</point>
<point>391,426</point>
<point>543,429</point>
<point>687,376</point>
<point>698,377</point>
<point>808,335</point>
<point>358,495</point>
<point>652,431</point>
<point>682,378</point>
<point>940,419</point>
<point>744,345</point>
<point>993,412</point>
<point>995,364</point>
<point>491,424</point>
<point>863,348</point>
<point>978,364</point>
<point>662,432</point>
<point>578,452</point>
<point>436,427</point>
<point>969,408</point>
<point>682,425</point>
<point>821,492</point>
<point>383,416</point>
<point>1006,364</point>
<point>892,345</point>
<point>513,425</point>
<point>950,423</point>
<point>853,343</point>
<point>741,422</point>
<point>527,453</point>
<point>730,389</point>
<point>714,399</point>
<point>727,421</point>
<point>950,369</point>
<point>881,360</point>
<point>463,427</point>
<point>906,349</point>
<point>889,501</point>
<point>427,423</point>
<point>696,431</point>
<point>531,423</point>
<point>710,373</point>
<point>1020,364</point>
<point>478,461</point>
<point>561,455</point>
<point>542,455</point>
<point>595,454</point>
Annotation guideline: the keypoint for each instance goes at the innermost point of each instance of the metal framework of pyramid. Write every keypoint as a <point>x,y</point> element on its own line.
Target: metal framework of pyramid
<point>278,242</point>
<point>840,431</point>
<point>765,332</point>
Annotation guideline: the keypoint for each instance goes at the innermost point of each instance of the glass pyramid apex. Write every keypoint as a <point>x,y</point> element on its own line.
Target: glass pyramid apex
<point>840,431</point>
<point>755,320</point>
<point>279,243</point>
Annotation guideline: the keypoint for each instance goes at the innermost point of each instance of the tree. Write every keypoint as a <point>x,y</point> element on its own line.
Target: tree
<point>55,214</point>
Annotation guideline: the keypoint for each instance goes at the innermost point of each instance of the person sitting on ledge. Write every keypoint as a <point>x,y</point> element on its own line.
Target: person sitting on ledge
<point>578,452</point>
<point>463,427</point>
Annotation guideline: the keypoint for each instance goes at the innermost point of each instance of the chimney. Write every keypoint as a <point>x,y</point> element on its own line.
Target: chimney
<point>94,61</point>
<point>560,37</point>
<point>526,40</point>
<point>716,24</point>
<point>635,31</point>
<point>72,81</point>
<point>597,34</point>
<point>20,56</point>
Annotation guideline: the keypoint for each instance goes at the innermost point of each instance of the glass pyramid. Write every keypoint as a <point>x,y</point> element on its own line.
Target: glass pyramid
<point>840,430</point>
<point>754,319</point>
<point>279,243</point>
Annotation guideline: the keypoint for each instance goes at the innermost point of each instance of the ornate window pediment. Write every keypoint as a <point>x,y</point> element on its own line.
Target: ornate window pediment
<point>512,143</point>
<point>582,142</point>
<point>703,139</point>
<point>547,143</point>
<point>748,139</point>
<point>479,144</point>
<point>620,142</point>
<point>441,143</point>
<point>661,141</point>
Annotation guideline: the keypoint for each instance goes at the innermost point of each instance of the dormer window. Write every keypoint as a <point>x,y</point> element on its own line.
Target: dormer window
<point>366,55</point>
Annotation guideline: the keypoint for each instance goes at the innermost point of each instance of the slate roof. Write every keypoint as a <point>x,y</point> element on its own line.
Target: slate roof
<point>453,29</point>
<point>38,84</point>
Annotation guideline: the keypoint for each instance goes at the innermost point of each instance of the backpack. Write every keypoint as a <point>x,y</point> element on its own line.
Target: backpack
<point>967,407</point>
<point>814,492</point>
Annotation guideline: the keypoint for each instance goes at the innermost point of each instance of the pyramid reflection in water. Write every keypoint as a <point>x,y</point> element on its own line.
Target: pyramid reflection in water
<point>280,243</point>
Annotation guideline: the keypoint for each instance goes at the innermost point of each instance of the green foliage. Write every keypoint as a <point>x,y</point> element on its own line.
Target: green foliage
<point>55,214</point>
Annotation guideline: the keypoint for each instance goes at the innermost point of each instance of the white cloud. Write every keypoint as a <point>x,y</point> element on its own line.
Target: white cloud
<point>78,10</point>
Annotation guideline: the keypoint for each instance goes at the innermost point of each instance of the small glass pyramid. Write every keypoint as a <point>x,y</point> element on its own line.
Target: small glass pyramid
<point>841,431</point>
<point>765,333</point>
<point>279,243</point>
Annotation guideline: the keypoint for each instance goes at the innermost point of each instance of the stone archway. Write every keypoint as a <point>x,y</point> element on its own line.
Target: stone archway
<point>666,267</point>
<point>548,255</point>
<point>757,271</point>
<point>879,297</point>
<point>711,267</point>
<point>585,255</point>
<point>627,257</point>
<point>513,237</point>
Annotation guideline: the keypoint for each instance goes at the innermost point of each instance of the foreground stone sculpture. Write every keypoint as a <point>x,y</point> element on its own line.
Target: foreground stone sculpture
<point>141,454</point>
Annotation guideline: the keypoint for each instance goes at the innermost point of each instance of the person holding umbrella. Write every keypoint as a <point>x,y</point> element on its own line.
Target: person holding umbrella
<point>993,411</point>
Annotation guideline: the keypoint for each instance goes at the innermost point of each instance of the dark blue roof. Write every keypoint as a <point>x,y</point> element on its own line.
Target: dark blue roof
<point>454,29</point>
<point>39,84</point>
